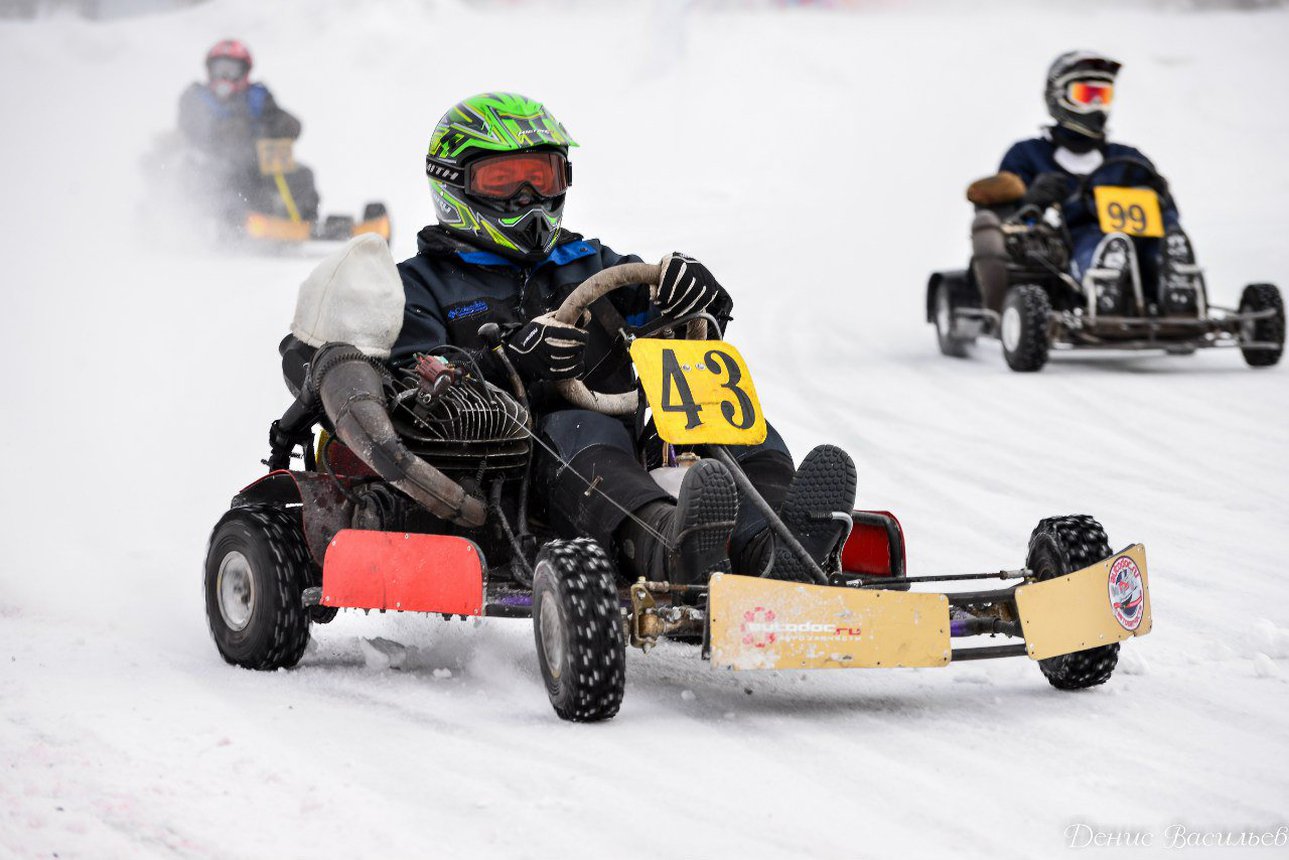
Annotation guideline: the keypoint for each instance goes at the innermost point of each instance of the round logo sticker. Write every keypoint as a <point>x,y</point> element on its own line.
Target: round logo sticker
<point>1127,593</point>
<point>758,627</point>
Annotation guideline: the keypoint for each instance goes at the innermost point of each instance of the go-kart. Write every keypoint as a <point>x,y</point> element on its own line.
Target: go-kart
<point>415,497</point>
<point>1017,288</point>
<point>272,203</point>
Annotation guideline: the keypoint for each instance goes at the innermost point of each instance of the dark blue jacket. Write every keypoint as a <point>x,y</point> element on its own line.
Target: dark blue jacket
<point>228,128</point>
<point>451,288</point>
<point>1028,158</point>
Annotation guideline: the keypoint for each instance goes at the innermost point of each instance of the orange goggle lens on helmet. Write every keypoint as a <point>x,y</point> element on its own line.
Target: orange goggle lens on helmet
<point>1090,94</point>
<point>502,176</point>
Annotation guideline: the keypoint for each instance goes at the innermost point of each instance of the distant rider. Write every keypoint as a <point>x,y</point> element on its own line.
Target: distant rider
<point>1079,91</point>
<point>222,120</point>
<point>499,172</point>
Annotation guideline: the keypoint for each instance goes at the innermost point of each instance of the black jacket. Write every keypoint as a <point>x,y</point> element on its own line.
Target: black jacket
<point>451,288</point>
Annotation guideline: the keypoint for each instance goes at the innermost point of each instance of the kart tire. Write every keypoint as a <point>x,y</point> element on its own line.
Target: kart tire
<point>1023,330</point>
<point>1261,297</point>
<point>1061,545</point>
<point>257,568</point>
<point>954,347</point>
<point>578,629</point>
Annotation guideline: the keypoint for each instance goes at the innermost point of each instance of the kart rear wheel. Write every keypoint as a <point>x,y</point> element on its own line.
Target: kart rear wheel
<point>1061,545</point>
<point>257,568</point>
<point>578,628</point>
<point>1261,297</point>
<point>1023,330</point>
<point>950,345</point>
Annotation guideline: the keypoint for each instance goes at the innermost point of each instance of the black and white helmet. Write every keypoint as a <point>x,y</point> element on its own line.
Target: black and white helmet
<point>1080,87</point>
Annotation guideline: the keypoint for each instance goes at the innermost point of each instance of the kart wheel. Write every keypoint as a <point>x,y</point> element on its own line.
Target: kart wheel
<point>950,345</point>
<point>1024,327</point>
<point>1061,545</point>
<point>1261,297</point>
<point>256,571</point>
<point>578,628</point>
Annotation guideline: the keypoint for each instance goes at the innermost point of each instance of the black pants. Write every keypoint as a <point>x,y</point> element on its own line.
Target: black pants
<point>600,449</point>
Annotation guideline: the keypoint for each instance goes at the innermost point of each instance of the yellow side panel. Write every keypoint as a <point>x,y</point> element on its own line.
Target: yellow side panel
<point>276,229</point>
<point>770,624</point>
<point>379,226</point>
<point>1107,602</point>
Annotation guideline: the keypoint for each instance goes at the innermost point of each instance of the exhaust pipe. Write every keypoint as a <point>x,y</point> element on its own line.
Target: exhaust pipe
<point>353,397</point>
<point>989,259</point>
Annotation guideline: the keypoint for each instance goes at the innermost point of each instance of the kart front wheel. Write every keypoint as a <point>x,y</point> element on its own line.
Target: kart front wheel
<point>1061,545</point>
<point>578,629</point>
<point>257,568</point>
<point>950,344</point>
<point>1023,330</point>
<point>1263,297</point>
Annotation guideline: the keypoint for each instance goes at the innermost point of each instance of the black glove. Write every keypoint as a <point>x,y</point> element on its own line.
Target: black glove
<point>546,349</point>
<point>1047,189</point>
<point>688,287</point>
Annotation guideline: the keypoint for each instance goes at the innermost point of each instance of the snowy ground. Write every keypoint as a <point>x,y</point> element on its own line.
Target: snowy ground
<point>816,161</point>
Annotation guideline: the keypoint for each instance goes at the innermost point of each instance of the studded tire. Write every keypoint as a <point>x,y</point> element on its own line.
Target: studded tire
<point>1261,297</point>
<point>578,628</point>
<point>1023,330</point>
<point>257,568</point>
<point>1061,545</point>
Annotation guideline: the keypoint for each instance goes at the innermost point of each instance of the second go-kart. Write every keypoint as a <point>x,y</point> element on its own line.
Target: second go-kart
<point>414,497</point>
<point>272,203</point>
<point>1017,287</point>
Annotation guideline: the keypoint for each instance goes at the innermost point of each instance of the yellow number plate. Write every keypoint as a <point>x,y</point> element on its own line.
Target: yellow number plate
<point>276,155</point>
<point>770,624</point>
<point>1134,211</point>
<point>1107,602</point>
<point>700,392</point>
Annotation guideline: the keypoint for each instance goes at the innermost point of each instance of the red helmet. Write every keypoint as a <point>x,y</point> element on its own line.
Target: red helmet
<point>228,65</point>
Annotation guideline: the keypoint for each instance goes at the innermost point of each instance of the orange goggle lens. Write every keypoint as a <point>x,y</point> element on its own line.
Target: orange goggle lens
<point>502,177</point>
<point>1091,93</point>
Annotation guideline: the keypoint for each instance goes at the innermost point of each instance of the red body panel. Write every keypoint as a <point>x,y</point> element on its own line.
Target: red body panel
<point>401,571</point>
<point>323,505</point>
<point>868,549</point>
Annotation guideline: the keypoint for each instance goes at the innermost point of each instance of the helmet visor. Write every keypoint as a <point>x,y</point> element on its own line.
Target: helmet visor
<point>1089,95</point>
<point>227,69</point>
<point>501,177</point>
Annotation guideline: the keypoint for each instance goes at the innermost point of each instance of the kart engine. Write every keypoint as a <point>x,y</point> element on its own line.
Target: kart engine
<point>1041,242</point>
<point>462,425</point>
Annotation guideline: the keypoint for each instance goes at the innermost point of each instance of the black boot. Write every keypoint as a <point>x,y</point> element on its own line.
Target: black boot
<point>696,530</point>
<point>816,511</point>
<point>1109,277</point>
<point>1180,281</point>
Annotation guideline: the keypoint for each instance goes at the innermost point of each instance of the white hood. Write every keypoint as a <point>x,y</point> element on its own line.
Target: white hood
<point>354,296</point>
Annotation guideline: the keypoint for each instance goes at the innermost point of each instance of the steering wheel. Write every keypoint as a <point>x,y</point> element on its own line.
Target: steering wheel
<point>1151,179</point>
<point>570,312</point>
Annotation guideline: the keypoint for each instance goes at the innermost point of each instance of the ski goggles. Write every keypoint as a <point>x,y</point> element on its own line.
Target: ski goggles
<point>1089,95</point>
<point>226,69</point>
<point>501,177</point>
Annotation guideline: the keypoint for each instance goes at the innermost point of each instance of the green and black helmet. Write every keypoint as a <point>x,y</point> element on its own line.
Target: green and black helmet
<point>498,169</point>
